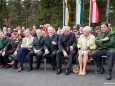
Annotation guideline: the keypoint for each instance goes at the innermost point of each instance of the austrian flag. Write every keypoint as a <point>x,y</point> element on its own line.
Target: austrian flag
<point>94,12</point>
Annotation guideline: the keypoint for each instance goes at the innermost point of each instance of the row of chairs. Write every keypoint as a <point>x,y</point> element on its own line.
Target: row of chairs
<point>64,61</point>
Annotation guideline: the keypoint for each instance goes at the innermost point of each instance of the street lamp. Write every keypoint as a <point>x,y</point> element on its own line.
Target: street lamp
<point>110,12</point>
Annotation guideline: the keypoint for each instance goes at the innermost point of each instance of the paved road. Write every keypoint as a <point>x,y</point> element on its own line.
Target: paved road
<point>9,77</point>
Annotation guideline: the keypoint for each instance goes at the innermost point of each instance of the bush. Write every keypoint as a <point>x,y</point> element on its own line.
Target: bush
<point>113,28</point>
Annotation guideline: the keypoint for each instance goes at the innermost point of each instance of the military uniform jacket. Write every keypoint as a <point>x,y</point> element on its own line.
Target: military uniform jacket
<point>12,45</point>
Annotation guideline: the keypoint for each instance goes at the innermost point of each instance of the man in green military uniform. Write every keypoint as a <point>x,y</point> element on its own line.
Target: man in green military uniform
<point>105,42</point>
<point>3,41</point>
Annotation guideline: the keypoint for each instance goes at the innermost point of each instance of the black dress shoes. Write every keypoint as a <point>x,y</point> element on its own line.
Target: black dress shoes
<point>53,68</point>
<point>37,67</point>
<point>67,72</point>
<point>58,71</point>
<point>2,66</point>
<point>100,70</point>
<point>30,69</point>
<point>7,66</point>
<point>108,77</point>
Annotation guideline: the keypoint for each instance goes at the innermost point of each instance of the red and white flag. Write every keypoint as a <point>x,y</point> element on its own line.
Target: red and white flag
<point>94,12</point>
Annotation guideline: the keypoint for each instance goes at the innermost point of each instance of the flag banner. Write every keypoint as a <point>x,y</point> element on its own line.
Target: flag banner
<point>79,12</point>
<point>65,13</point>
<point>94,12</point>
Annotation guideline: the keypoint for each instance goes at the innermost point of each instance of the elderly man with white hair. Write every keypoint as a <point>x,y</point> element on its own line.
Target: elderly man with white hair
<point>51,46</point>
<point>67,48</point>
<point>86,43</point>
<point>37,50</point>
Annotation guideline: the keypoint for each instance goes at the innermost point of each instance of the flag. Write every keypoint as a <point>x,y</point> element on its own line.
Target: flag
<point>79,12</point>
<point>65,13</point>
<point>94,12</point>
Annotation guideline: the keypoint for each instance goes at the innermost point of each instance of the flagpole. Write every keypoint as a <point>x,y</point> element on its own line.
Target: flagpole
<point>89,11</point>
<point>76,13</point>
<point>63,13</point>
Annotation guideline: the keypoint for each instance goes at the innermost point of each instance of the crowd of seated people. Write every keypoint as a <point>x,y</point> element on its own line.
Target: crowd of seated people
<point>74,45</point>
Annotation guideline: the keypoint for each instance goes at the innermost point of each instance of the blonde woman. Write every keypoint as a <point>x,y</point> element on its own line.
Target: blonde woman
<point>86,43</point>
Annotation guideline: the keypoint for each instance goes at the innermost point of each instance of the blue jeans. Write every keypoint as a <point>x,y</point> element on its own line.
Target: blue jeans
<point>21,55</point>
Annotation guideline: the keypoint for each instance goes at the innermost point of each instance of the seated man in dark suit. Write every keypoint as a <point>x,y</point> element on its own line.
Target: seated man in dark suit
<point>3,41</point>
<point>37,50</point>
<point>51,46</point>
<point>67,48</point>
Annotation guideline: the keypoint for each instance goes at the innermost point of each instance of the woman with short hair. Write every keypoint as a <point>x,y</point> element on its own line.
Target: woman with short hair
<point>86,43</point>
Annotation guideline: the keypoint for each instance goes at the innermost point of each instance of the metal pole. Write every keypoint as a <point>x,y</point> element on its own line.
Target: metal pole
<point>89,11</point>
<point>110,18</point>
<point>63,12</point>
<point>76,14</point>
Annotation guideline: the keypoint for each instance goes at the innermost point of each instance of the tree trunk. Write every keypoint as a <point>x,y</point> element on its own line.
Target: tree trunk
<point>107,11</point>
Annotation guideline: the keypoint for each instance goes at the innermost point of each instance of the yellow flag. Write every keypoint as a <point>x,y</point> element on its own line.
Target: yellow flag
<point>66,13</point>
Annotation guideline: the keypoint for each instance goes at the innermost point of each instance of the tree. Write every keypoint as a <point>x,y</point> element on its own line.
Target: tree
<point>3,13</point>
<point>16,13</point>
<point>29,12</point>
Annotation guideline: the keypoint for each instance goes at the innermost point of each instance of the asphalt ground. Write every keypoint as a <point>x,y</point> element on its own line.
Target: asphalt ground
<point>41,77</point>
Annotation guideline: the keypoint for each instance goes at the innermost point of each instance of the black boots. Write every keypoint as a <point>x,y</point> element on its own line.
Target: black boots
<point>30,69</point>
<point>108,77</point>
<point>58,71</point>
<point>67,72</point>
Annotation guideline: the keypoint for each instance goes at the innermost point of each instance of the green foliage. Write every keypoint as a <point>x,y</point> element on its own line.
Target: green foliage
<point>51,12</point>
<point>3,12</point>
<point>113,28</point>
<point>15,13</point>
<point>35,12</point>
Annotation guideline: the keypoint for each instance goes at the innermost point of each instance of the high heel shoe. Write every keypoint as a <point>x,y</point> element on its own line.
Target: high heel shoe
<point>80,73</point>
<point>83,73</point>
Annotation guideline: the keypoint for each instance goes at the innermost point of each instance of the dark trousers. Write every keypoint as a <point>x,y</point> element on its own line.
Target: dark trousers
<point>110,55</point>
<point>51,57</point>
<point>38,58</point>
<point>2,62</point>
<point>70,59</point>
<point>21,55</point>
<point>6,59</point>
